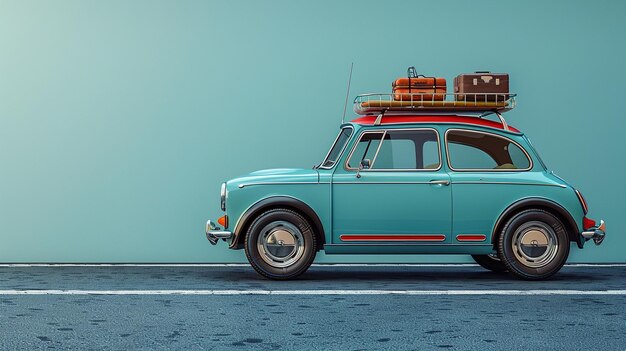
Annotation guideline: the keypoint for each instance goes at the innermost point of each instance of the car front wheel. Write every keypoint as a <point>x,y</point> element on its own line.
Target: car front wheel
<point>533,244</point>
<point>280,244</point>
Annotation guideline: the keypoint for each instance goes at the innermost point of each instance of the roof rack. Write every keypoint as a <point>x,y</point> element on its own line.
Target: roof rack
<point>380,103</point>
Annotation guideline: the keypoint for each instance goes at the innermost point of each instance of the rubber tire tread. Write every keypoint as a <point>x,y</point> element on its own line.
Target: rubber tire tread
<point>562,237</point>
<point>266,270</point>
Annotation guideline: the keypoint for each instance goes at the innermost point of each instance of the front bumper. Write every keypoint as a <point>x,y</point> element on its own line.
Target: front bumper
<point>214,233</point>
<point>596,233</point>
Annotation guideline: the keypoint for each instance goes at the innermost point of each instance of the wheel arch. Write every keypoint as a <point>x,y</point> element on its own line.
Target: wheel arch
<point>265,204</point>
<point>541,203</point>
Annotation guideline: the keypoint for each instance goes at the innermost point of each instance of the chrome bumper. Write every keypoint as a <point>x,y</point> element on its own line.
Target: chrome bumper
<point>214,233</point>
<point>595,233</point>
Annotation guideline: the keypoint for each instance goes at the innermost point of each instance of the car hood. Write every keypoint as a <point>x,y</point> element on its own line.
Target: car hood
<point>276,175</point>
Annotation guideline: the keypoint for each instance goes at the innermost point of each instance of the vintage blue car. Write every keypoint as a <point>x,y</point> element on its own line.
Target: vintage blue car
<point>445,181</point>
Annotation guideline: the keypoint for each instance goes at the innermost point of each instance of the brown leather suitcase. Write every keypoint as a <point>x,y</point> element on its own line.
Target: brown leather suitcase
<point>418,87</point>
<point>482,86</point>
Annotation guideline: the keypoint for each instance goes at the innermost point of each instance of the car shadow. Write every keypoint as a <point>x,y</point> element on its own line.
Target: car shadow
<point>447,276</point>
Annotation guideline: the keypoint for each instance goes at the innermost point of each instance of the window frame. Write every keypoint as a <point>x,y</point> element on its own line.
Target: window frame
<point>384,132</point>
<point>332,146</point>
<point>448,158</point>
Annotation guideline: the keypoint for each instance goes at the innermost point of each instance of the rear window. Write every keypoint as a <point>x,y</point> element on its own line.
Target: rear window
<point>472,150</point>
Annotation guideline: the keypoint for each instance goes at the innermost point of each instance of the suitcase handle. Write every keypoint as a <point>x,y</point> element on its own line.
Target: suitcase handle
<point>411,72</point>
<point>482,72</point>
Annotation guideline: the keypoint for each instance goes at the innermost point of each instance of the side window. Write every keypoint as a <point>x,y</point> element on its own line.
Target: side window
<point>482,151</point>
<point>400,150</point>
<point>430,154</point>
<point>365,149</point>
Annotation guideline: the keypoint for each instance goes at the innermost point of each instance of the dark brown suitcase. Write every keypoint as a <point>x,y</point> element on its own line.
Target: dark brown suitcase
<point>482,86</point>
<point>417,87</point>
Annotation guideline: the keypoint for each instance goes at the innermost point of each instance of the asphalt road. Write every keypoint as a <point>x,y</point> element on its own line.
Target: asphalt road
<point>330,308</point>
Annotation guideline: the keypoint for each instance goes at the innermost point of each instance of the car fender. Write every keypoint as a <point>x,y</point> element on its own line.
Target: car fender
<point>272,202</point>
<point>543,203</point>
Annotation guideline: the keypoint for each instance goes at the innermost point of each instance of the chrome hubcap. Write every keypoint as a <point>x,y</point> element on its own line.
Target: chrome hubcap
<point>535,244</point>
<point>280,244</point>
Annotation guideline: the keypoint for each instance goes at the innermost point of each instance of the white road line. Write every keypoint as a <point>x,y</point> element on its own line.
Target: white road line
<point>315,292</point>
<point>21,265</point>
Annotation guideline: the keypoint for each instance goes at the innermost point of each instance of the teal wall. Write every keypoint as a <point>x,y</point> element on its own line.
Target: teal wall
<point>120,119</point>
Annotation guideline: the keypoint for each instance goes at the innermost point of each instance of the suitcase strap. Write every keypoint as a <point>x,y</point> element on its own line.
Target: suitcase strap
<point>411,72</point>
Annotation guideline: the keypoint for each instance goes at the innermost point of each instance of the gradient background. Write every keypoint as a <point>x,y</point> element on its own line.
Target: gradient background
<point>120,119</point>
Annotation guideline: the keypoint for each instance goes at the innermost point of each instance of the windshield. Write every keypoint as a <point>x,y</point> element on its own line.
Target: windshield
<point>335,151</point>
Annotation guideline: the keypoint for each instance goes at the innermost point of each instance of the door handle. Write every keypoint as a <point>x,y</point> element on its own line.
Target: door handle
<point>439,182</point>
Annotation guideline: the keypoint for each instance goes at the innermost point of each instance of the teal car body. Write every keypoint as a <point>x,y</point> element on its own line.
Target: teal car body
<point>436,209</point>
<point>411,184</point>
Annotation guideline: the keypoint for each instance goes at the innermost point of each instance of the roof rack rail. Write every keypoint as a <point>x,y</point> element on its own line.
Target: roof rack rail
<point>380,103</point>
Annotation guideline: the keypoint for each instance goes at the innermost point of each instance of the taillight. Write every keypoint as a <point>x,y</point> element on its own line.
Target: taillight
<point>588,223</point>
<point>582,201</point>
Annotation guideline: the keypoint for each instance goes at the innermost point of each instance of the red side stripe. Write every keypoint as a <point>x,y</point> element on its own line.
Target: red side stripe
<point>471,237</point>
<point>392,237</point>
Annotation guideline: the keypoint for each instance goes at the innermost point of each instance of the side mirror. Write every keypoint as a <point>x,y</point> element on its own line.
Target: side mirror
<point>365,164</point>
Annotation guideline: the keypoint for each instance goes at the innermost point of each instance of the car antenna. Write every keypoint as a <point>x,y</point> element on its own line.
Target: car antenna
<point>345,106</point>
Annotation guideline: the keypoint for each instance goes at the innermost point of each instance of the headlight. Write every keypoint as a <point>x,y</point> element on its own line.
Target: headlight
<point>223,197</point>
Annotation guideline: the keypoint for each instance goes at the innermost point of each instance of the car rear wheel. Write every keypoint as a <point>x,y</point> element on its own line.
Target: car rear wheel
<point>280,244</point>
<point>533,245</point>
<point>491,262</point>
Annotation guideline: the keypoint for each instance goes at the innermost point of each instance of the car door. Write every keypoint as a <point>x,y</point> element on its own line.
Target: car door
<point>403,198</point>
<point>488,172</point>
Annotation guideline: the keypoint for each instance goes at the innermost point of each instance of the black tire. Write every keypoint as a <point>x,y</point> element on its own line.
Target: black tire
<point>533,245</point>
<point>491,262</point>
<point>267,251</point>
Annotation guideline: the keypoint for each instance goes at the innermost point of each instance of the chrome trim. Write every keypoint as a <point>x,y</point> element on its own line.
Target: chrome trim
<point>504,125</point>
<point>223,195</point>
<point>582,201</point>
<point>596,233</point>
<point>509,183</point>
<point>333,145</point>
<point>242,185</point>
<point>439,182</point>
<point>535,244</point>
<point>530,166</point>
<point>380,144</point>
<point>379,119</point>
<point>277,236</point>
<point>214,233</point>
<point>384,131</point>
<point>459,102</point>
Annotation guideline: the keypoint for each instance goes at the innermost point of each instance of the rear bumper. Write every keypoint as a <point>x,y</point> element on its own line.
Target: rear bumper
<point>214,233</point>
<point>597,233</point>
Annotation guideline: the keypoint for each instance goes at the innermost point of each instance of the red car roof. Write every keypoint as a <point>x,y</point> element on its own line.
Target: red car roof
<point>481,122</point>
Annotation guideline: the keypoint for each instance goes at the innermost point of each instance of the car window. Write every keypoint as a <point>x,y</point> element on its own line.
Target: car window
<point>365,149</point>
<point>430,154</point>
<point>400,150</point>
<point>335,151</point>
<point>483,151</point>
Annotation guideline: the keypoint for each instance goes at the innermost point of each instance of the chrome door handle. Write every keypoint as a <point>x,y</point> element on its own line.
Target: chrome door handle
<point>439,182</point>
